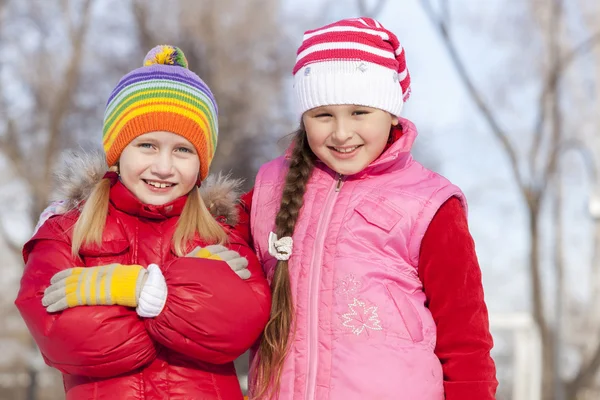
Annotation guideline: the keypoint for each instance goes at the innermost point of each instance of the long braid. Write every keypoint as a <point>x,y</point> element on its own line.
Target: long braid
<point>274,345</point>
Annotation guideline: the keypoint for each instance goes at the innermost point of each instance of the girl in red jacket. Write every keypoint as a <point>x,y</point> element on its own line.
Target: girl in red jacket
<point>137,291</point>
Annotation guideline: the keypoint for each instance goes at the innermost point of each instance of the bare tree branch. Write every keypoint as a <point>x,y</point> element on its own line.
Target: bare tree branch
<point>581,49</point>
<point>68,16</point>
<point>549,120</point>
<point>581,148</point>
<point>585,375</point>
<point>588,371</point>
<point>445,11</point>
<point>2,8</point>
<point>362,7</point>
<point>140,13</point>
<point>556,69</point>
<point>551,83</point>
<point>9,142</point>
<point>324,8</point>
<point>531,193</point>
<point>438,18</point>
<point>553,174</point>
<point>486,111</point>
<point>65,96</point>
<point>373,12</point>
<point>12,246</point>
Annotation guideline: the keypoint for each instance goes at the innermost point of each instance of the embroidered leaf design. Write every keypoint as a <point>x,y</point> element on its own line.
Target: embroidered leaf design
<point>361,318</point>
<point>347,286</point>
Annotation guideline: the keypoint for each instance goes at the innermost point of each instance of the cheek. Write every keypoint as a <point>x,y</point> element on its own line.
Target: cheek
<point>318,148</point>
<point>188,172</point>
<point>379,136</point>
<point>129,178</point>
<point>317,132</point>
<point>130,172</point>
<point>382,141</point>
<point>316,138</point>
<point>132,163</point>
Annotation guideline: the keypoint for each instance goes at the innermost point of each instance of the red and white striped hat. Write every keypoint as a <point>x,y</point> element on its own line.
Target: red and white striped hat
<point>352,61</point>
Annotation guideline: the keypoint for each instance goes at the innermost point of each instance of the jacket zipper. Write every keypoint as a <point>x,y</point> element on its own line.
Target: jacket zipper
<point>313,287</point>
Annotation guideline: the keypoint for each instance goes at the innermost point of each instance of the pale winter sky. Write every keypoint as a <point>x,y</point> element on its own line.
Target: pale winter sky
<point>464,148</point>
<point>453,134</point>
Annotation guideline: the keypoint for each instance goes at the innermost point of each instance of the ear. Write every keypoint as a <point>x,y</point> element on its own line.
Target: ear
<point>395,121</point>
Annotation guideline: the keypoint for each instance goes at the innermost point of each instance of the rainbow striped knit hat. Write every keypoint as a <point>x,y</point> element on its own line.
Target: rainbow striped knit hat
<point>163,95</point>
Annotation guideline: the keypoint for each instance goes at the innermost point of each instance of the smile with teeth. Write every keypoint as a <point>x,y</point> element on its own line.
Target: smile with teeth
<point>160,185</point>
<point>345,149</point>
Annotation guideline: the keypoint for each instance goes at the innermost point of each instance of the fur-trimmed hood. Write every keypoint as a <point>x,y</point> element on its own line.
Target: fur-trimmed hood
<point>79,171</point>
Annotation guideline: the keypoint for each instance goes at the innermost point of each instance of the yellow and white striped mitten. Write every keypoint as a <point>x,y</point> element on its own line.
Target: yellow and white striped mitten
<point>104,285</point>
<point>236,262</point>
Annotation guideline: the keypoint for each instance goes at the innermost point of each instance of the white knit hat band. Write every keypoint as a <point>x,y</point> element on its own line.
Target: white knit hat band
<point>348,82</point>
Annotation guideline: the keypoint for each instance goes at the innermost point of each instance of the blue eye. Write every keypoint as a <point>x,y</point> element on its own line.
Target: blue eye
<point>145,145</point>
<point>185,150</point>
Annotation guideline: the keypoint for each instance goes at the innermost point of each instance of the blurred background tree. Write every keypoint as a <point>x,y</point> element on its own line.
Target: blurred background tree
<point>525,78</point>
<point>62,59</point>
<point>537,140</point>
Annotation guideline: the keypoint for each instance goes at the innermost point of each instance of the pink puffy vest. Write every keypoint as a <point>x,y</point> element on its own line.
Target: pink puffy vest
<point>362,329</point>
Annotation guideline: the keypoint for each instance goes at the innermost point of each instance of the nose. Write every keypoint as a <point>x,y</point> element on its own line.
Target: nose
<point>342,130</point>
<point>162,165</point>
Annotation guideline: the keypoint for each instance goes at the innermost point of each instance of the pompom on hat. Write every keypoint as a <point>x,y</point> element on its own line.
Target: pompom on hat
<point>352,61</point>
<point>163,95</point>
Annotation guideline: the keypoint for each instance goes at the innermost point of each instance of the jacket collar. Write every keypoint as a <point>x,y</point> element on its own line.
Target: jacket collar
<point>124,200</point>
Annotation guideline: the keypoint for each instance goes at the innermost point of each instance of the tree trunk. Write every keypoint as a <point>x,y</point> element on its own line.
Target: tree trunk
<point>32,383</point>
<point>548,350</point>
<point>32,370</point>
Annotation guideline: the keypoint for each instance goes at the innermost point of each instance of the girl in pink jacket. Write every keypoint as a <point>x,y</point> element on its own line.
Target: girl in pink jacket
<point>376,287</point>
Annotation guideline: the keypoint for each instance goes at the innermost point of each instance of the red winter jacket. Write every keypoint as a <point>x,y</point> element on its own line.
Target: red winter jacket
<point>108,352</point>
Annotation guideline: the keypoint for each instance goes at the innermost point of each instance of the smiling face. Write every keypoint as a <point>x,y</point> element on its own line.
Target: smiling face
<point>347,138</point>
<point>159,167</point>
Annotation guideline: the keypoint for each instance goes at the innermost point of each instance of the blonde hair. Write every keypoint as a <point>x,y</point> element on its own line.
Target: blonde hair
<point>194,219</point>
<point>274,344</point>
